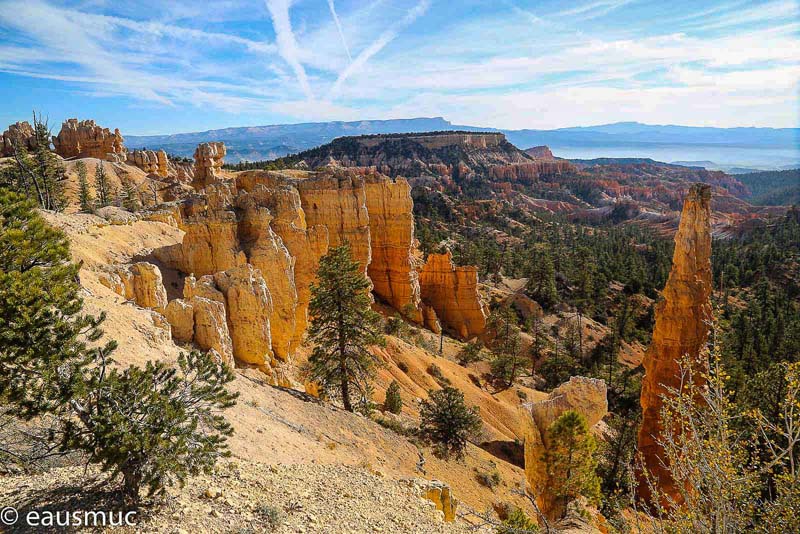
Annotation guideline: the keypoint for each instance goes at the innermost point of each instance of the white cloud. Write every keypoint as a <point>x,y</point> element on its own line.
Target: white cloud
<point>287,44</point>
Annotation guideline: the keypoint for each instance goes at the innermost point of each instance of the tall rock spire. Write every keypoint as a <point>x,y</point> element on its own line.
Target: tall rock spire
<point>683,320</point>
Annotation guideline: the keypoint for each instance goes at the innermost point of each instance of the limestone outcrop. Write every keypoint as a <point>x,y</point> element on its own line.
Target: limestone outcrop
<point>682,322</point>
<point>150,161</point>
<point>391,223</point>
<point>453,293</point>
<point>588,397</point>
<point>141,282</point>
<point>20,132</point>
<point>208,159</point>
<point>85,139</point>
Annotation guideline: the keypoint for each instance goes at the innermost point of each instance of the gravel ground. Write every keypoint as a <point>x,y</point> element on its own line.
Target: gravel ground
<point>241,498</point>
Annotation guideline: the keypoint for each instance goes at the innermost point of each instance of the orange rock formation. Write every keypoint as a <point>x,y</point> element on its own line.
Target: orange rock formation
<point>339,202</point>
<point>391,224</point>
<point>150,161</point>
<point>85,139</point>
<point>208,159</point>
<point>681,329</point>
<point>22,133</point>
<point>453,292</point>
<point>588,397</point>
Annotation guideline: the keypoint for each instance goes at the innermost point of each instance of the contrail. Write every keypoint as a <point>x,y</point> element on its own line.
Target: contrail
<point>339,27</point>
<point>383,39</point>
<point>287,44</point>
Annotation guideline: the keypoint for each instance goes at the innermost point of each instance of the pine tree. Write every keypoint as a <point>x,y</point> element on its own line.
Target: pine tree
<point>39,174</point>
<point>130,195</point>
<point>506,347</point>
<point>102,186</point>
<point>447,421</point>
<point>155,426</point>
<point>393,402</point>
<point>542,279</point>
<point>84,194</point>
<point>43,333</point>
<point>343,327</point>
<point>571,461</point>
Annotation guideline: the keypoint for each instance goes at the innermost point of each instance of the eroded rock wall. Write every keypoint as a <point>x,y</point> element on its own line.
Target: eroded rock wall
<point>682,322</point>
<point>339,202</point>
<point>85,139</point>
<point>453,293</point>
<point>150,161</point>
<point>391,222</point>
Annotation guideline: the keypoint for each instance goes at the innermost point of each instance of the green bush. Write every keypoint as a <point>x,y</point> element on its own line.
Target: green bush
<point>157,425</point>
<point>393,402</point>
<point>518,523</point>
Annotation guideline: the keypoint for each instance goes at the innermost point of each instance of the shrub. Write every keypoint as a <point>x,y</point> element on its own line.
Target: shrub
<point>403,366</point>
<point>270,517</point>
<point>157,425</point>
<point>489,480</point>
<point>518,523</point>
<point>436,373</point>
<point>446,420</point>
<point>395,326</point>
<point>393,402</point>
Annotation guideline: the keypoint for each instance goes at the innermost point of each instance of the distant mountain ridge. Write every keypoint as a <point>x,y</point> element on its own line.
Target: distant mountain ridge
<point>266,142</point>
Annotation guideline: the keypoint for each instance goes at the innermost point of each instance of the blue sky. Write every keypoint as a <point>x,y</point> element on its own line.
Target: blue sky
<point>166,67</point>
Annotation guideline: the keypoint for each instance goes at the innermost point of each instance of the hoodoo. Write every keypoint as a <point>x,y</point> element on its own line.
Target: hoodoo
<point>85,139</point>
<point>681,329</point>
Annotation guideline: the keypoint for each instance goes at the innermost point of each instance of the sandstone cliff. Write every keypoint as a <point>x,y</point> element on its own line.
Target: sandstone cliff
<point>19,132</point>
<point>682,322</point>
<point>85,139</point>
<point>453,292</point>
<point>588,397</point>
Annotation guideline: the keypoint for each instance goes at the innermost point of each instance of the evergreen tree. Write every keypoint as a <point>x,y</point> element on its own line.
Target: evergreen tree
<point>343,327</point>
<point>447,421</point>
<point>518,523</point>
<point>542,279</point>
<point>130,195</point>
<point>506,346</point>
<point>84,194</point>
<point>393,402</point>
<point>43,333</point>
<point>570,460</point>
<point>102,186</point>
<point>154,426</point>
<point>39,174</point>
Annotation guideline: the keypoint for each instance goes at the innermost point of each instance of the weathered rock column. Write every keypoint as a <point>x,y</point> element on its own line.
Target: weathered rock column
<point>683,320</point>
